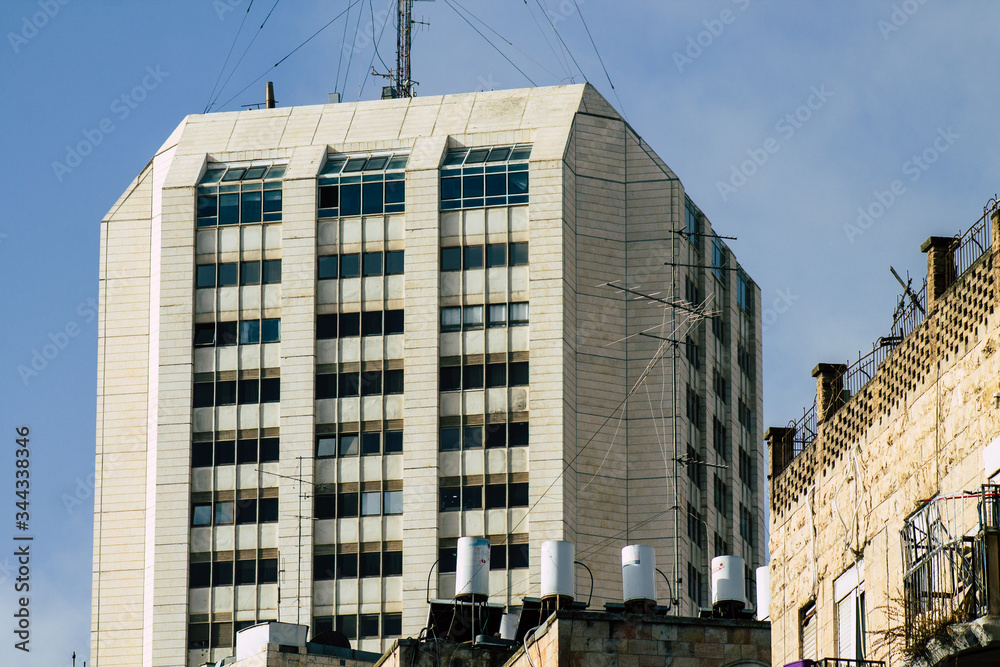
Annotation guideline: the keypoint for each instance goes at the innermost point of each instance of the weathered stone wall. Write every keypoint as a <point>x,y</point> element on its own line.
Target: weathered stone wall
<point>916,430</point>
<point>606,640</point>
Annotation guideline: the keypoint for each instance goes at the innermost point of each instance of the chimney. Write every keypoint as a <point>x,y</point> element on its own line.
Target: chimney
<point>940,252</point>
<point>269,97</point>
<point>829,389</point>
<point>780,444</point>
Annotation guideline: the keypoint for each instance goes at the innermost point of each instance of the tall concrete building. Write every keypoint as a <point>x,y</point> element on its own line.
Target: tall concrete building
<point>336,338</point>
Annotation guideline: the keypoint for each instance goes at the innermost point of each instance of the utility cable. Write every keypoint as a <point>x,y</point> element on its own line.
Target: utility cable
<point>246,50</point>
<point>371,10</point>
<point>364,81</point>
<point>509,43</point>
<point>211,95</point>
<point>340,60</point>
<point>599,58</point>
<point>561,41</point>
<point>354,43</point>
<point>559,58</point>
<point>479,32</point>
<point>309,39</point>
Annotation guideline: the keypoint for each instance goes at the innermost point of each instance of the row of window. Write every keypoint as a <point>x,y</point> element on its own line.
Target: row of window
<point>236,392</point>
<point>371,194</point>
<point>227,274</point>
<point>364,383</point>
<point>368,323</point>
<point>352,504</point>
<point>243,332</point>
<point>489,496</point>
<point>478,376</point>
<point>369,443</point>
<point>489,176</point>
<point>355,264</point>
<point>230,573</point>
<point>363,626</point>
<point>227,512</point>
<point>233,452</point>
<point>502,557</point>
<point>458,318</point>
<point>454,438</point>
<point>233,205</point>
<point>327,567</point>
<point>492,255</point>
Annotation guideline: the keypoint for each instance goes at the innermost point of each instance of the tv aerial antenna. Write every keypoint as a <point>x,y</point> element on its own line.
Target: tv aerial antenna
<point>896,334</point>
<point>401,83</point>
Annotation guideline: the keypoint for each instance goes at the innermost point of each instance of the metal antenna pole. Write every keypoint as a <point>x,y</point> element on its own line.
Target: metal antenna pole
<point>404,16</point>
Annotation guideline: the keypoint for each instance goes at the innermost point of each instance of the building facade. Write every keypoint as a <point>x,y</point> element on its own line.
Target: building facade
<point>883,498</point>
<point>334,339</point>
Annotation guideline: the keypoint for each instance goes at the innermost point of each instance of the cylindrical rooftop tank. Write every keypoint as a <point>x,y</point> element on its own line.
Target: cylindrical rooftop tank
<point>558,574</point>
<point>727,580</point>
<point>638,572</point>
<point>763,592</point>
<point>472,574</point>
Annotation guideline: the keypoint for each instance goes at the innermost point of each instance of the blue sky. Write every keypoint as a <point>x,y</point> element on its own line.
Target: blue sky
<point>829,102</point>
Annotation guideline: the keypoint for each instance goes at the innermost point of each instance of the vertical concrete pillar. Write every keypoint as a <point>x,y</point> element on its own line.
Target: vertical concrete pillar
<point>829,389</point>
<point>940,252</point>
<point>780,445</point>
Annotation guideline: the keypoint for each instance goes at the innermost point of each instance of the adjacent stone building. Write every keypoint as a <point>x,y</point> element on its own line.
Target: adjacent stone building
<point>884,517</point>
<point>334,339</point>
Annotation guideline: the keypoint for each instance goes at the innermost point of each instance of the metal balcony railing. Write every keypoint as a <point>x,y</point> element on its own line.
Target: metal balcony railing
<point>945,552</point>
<point>844,662</point>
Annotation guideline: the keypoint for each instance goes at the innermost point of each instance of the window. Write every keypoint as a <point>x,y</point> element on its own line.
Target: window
<point>327,267</point>
<point>371,263</point>
<point>719,385</point>
<point>744,359</point>
<point>849,598</point>
<point>807,631</point>
<point>496,255</point>
<point>748,526</point>
<point>496,315</point>
<point>695,584</point>
<point>720,439</point>
<point>355,185</point>
<point>745,415</point>
<point>371,503</point>
<point>518,254</point>
<point>451,258</point>
<point>691,222</point>
<point>744,292</point>
<point>392,502</point>
<point>368,383</point>
<point>392,625</point>
<point>718,259</point>
<point>696,526</point>
<point>492,435</point>
<point>250,273</point>
<point>367,626</point>
<point>472,257</point>
<point>746,468</point>
<point>350,265</point>
<point>489,176</point>
<point>456,258</point>
<point>722,502</point>
<point>456,318</point>
<point>231,195</point>
<point>693,353</point>
<point>244,332</point>
<point>693,407</point>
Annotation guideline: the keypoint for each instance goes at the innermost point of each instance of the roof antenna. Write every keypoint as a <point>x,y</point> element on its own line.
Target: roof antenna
<point>401,82</point>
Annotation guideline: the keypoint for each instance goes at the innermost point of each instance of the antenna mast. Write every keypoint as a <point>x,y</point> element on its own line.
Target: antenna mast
<point>401,85</point>
<point>404,16</point>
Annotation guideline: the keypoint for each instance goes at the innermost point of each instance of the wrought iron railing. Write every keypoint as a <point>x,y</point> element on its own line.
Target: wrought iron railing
<point>805,430</point>
<point>944,560</point>
<point>970,246</point>
<point>844,662</point>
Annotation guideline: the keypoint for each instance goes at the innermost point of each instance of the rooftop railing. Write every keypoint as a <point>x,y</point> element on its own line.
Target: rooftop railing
<point>971,245</point>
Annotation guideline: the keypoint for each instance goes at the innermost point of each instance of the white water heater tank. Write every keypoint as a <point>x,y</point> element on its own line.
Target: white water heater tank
<point>728,579</point>
<point>558,574</point>
<point>638,572</point>
<point>472,573</point>
<point>763,593</point>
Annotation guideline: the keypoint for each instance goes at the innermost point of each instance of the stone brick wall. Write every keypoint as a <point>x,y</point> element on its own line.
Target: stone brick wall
<point>610,640</point>
<point>916,430</point>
